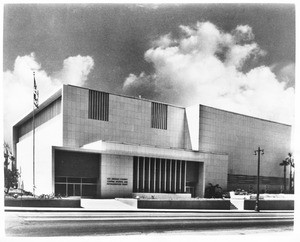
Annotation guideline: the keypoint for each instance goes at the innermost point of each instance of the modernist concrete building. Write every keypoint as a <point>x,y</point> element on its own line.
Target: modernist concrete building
<point>95,144</point>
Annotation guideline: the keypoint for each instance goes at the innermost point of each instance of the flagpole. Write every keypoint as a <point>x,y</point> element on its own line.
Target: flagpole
<point>33,142</point>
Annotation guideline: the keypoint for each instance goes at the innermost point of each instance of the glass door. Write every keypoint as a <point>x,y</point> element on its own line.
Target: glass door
<point>77,191</point>
<point>76,186</point>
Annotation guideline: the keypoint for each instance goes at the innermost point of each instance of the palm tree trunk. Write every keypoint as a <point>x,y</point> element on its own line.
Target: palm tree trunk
<point>290,179</point>
<point>284,179</point>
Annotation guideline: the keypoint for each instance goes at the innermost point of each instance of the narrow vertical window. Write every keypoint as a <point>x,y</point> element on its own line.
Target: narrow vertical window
<point>159,114</point>
<point>98,105</point>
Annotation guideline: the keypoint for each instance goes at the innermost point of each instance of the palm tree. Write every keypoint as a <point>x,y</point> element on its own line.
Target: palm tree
<point>284,163</point>
<point>292,165</point>
<point>288,161</point>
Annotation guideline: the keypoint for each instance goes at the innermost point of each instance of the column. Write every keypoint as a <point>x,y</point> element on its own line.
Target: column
<point>154,176</point>
<point>137,174</point>
<point>149,174</point>
<point>184,177</point>
<point>175,176</point>
<point>180,172</point>
<point>159,182</point>
<point>170,181</point>
<point>144,170</point>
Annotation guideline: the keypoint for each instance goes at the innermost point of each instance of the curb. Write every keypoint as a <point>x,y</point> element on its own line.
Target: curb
<point>28,209</point>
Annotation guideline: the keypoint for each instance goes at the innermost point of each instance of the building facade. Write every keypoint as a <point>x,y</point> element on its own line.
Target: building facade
<point>95,144</point>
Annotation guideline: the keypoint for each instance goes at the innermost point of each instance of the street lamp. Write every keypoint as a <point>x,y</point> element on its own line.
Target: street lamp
<point>258,152</point>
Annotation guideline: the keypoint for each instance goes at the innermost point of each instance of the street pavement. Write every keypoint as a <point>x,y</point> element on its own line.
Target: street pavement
<point>113,217</point>
<point>116,223</point>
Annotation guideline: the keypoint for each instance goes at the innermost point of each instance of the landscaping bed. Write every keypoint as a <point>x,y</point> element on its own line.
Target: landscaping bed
<point>184,204</point>
<point>30,201</point>
<point>168,196</point>
<point>269,204</point>
<point>266,201</point>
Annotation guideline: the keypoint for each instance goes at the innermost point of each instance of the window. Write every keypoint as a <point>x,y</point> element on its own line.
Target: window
<point>159,114</point>
<point>98,105</point>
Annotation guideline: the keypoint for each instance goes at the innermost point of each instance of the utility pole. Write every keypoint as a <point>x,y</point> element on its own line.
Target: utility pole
<point>258,152</point>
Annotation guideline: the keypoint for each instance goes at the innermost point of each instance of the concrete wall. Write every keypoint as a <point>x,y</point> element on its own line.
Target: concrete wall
<point>46,135</point>
<point>129,122</point>
<point>215,170</point>
<point>192,127</point>
<point>239,135</point>
<point>200,188</point>
<point>114,172</point>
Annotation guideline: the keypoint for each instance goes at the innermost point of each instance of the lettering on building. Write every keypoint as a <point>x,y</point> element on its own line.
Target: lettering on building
<point>117,181</point>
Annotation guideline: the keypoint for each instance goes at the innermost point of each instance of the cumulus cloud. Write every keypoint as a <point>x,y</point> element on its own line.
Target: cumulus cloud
<point>243,33</point>
<point>76,69</point>
<point>18,85</point>
<point>163,41</point>
<point>285,72</point>
<point>144,85</point>
<point>204,65</point>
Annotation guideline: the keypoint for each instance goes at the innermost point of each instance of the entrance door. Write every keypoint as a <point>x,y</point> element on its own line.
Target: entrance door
<point>77,190</point>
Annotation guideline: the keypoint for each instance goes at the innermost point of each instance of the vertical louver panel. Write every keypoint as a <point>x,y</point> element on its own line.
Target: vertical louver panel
<point>159,114</point>
<point>158,175</point>
<point>98,105</point>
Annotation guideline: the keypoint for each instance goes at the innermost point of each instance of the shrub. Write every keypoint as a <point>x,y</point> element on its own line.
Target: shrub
<point>213,191</point>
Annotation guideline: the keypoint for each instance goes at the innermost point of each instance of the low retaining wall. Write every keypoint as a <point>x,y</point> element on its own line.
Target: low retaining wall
<point>168,196</point>
<point>270,204</point>
<point>69,203</point>
<point>184,204</point>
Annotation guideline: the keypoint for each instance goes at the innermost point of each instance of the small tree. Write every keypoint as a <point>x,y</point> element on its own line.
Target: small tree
<point>10,175</point>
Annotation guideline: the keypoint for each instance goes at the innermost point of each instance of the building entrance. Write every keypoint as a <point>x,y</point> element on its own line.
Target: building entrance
<point>76,173</point>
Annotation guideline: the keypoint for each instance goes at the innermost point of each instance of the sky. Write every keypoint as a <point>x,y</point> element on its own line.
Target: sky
<point>236,57</point>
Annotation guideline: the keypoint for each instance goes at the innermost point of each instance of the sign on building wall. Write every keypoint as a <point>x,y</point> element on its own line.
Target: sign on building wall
<point>117,181</point>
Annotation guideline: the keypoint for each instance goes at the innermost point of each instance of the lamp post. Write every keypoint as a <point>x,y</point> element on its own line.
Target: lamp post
<point>258,152</point>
